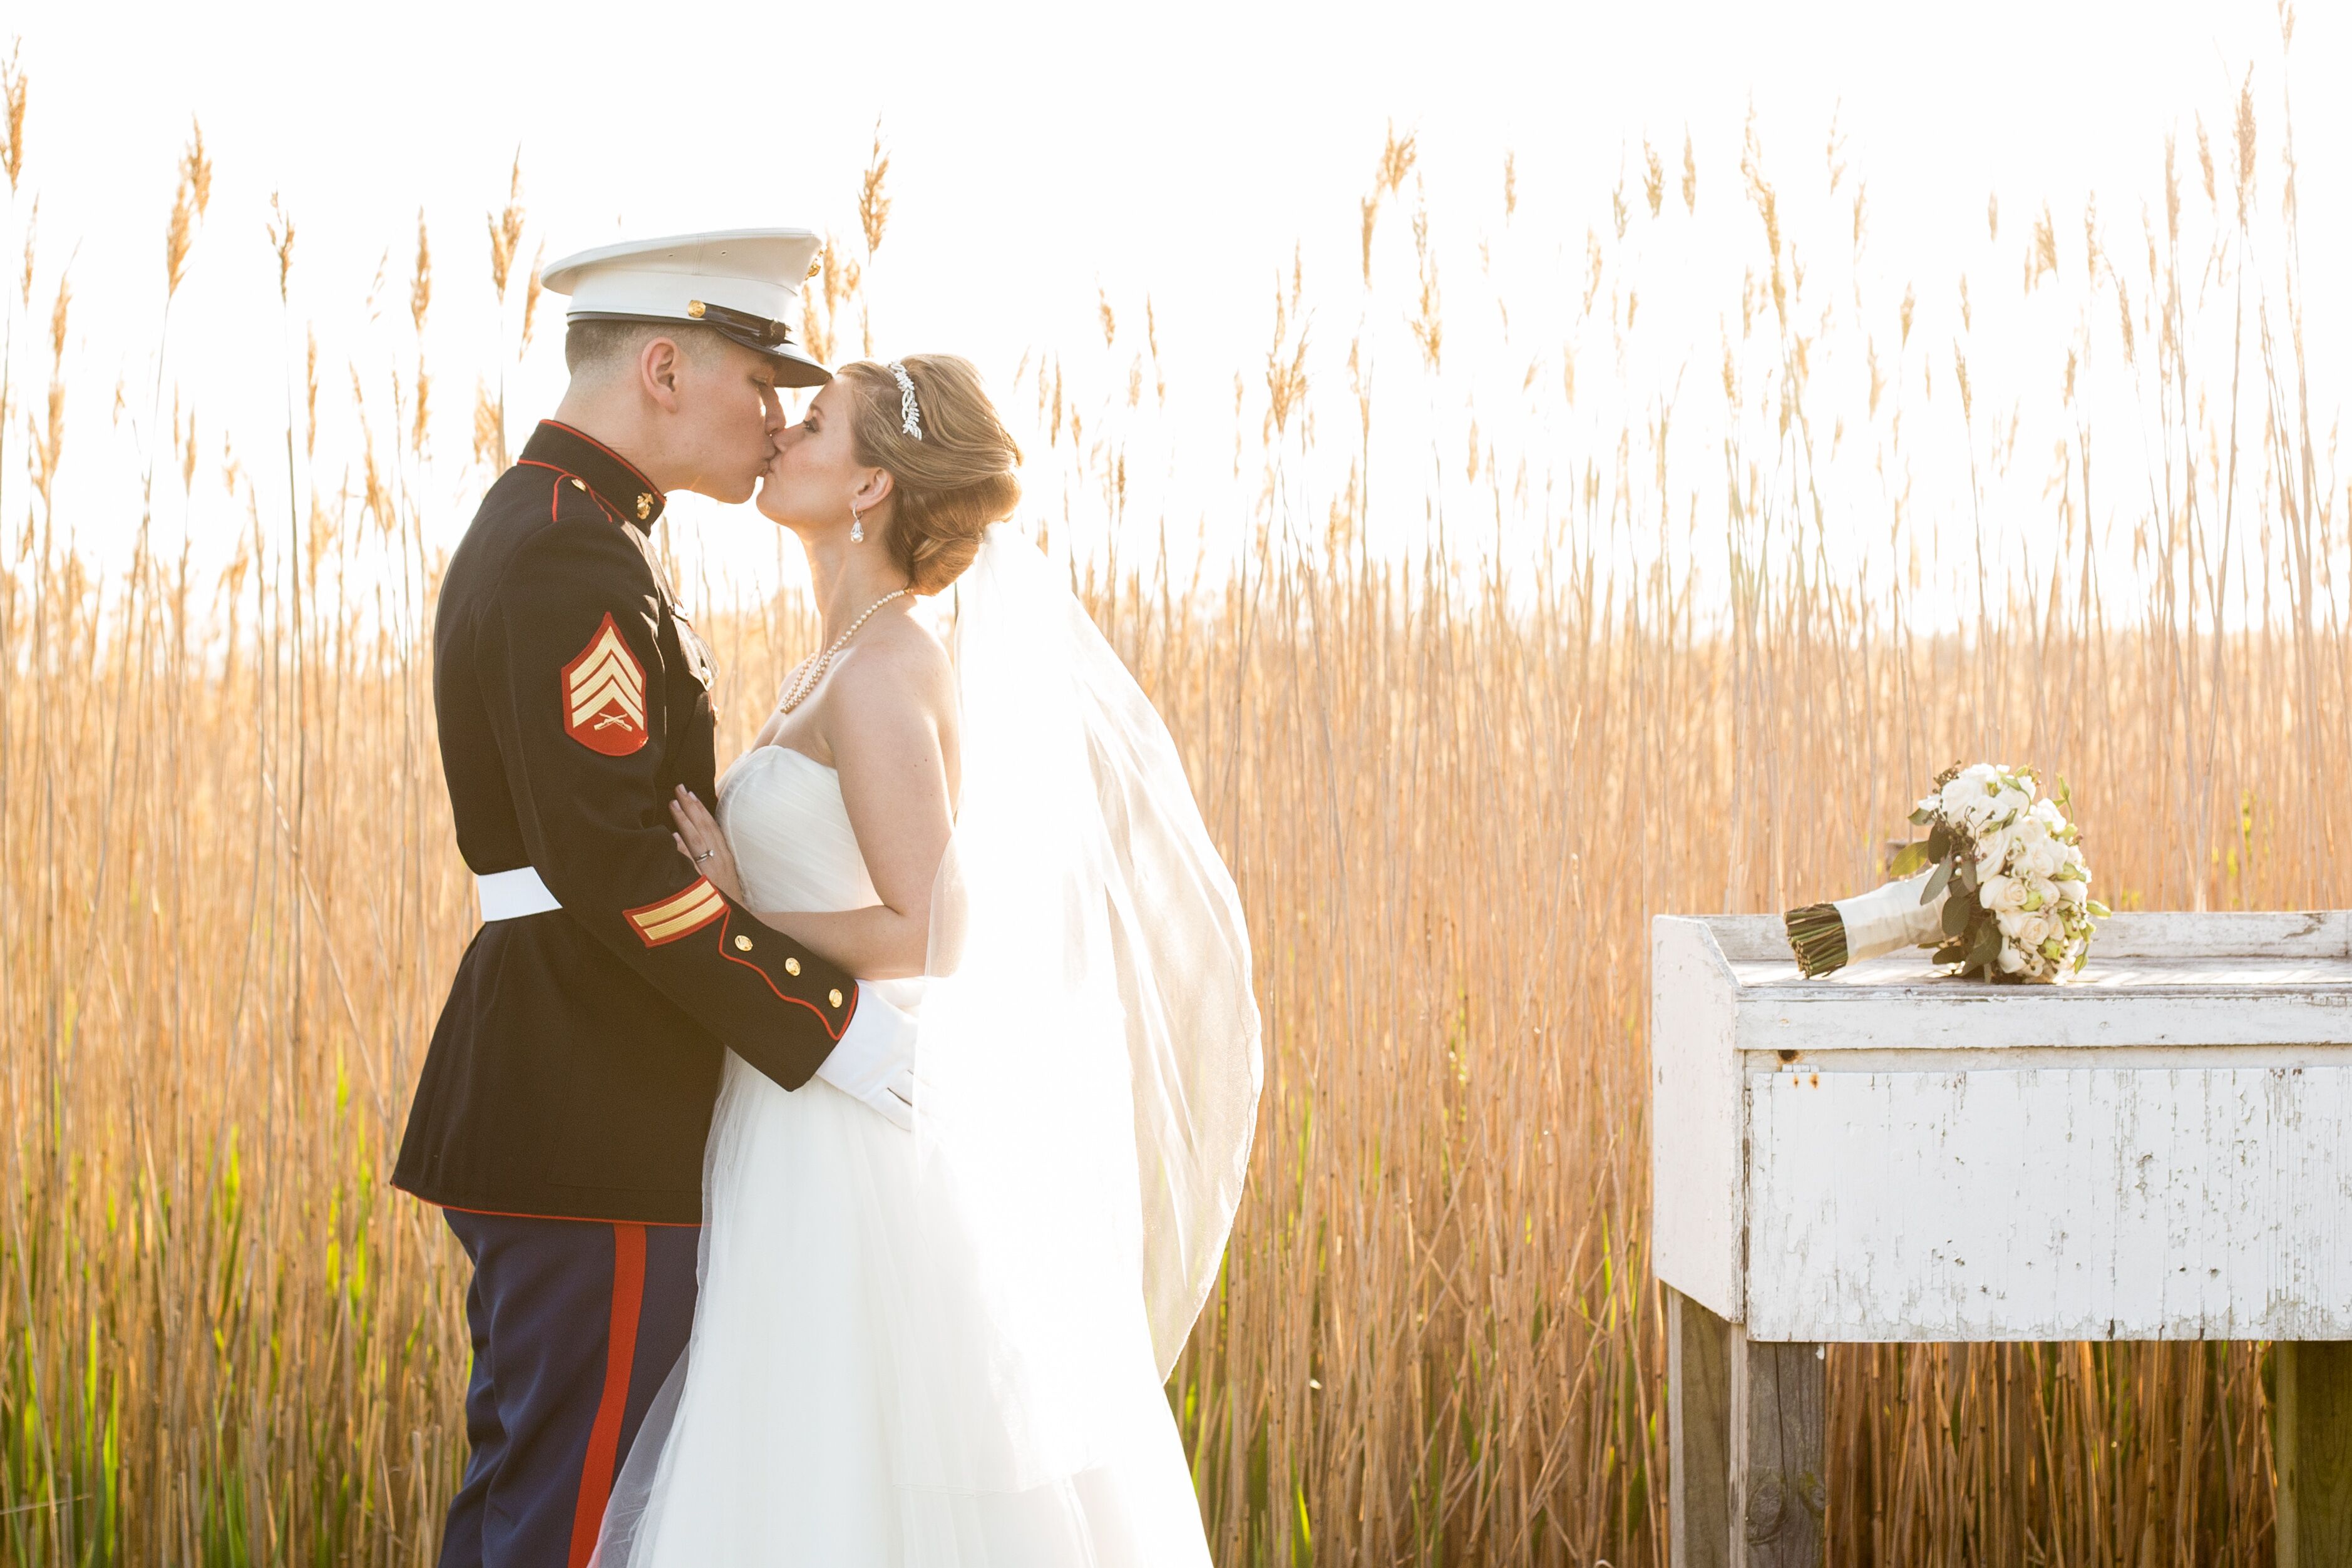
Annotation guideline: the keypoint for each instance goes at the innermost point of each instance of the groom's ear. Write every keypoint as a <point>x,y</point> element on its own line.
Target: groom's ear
<point>661,366</point>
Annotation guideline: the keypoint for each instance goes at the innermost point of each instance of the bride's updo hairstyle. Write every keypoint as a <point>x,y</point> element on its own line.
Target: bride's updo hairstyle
<point>951,482</point>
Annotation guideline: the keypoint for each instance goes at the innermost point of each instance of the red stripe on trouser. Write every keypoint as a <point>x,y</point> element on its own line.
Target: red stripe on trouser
<point>620,1352</point>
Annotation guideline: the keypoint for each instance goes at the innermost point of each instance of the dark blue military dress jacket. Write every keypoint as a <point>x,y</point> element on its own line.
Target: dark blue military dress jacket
<point>577,1062</point>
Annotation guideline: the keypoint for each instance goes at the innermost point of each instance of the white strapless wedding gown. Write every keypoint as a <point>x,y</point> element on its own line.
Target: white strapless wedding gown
<point>830,1411</point>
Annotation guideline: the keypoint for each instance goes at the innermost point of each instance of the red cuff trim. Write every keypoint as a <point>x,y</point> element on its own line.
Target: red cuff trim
<point>835,1021</point>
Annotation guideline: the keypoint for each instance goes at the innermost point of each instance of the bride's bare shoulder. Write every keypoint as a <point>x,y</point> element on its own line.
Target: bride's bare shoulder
<point>897,669</point>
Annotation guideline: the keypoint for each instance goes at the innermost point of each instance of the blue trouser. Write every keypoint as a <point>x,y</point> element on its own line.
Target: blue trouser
<point>575,1323</point>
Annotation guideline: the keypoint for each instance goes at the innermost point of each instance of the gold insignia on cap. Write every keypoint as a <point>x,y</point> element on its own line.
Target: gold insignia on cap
<point>742,944</point>
<point>834,996</point>
<point>694,308</point>
<point>792,966</point>
<point>644,507</point>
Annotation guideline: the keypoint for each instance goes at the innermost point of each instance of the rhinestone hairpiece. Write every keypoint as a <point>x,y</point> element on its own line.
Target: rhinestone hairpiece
<point>910,422</point>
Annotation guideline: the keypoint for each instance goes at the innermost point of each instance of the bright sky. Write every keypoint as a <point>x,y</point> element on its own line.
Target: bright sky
<point>1041,152</point>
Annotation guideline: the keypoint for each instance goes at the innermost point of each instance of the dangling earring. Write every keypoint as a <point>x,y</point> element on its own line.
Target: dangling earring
<point>857,526</point>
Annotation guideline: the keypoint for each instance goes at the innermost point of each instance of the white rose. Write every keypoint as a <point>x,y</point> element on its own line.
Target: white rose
<point>2011,961</point>
<point>2046,812</point>
<point>1999,893</point>
<point>2072,892</point>
<point>2011,920</point>
<point>2033,930</point>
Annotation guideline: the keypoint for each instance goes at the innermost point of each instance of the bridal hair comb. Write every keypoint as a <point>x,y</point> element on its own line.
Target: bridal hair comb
<point>911,418</point>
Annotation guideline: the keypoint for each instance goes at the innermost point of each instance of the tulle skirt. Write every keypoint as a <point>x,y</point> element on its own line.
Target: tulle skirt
<point>840,1402</point>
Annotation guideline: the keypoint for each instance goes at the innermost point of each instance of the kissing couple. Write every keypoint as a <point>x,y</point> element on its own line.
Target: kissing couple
<point>843,1149</point>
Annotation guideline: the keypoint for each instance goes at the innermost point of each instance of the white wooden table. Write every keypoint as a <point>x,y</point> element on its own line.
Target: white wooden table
<point>2161,1150</point>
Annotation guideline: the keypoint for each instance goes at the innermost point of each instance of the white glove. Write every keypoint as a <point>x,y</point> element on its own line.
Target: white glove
<point>874,1060</point>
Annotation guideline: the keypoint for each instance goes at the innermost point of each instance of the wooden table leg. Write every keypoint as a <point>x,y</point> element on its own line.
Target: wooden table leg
<point>1779,1408</point>
<point>1698,1434</point>
<point>2311,1448</point>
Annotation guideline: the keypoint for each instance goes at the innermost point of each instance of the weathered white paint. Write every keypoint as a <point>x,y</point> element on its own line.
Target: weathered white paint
<point>2162,1150</point>
<point>1909,1009</point>
<point>2280,934</point>
<point>2082,1202</point>
<point>1696,1168</point>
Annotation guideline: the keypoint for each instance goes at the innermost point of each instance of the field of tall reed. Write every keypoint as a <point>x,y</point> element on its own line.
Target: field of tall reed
<point>1461,718</point>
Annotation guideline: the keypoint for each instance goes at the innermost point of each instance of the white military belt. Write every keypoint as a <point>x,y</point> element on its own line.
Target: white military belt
<point>511,894</point>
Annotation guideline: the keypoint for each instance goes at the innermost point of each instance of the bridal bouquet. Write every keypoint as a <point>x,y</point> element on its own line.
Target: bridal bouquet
<point>1998,887</point>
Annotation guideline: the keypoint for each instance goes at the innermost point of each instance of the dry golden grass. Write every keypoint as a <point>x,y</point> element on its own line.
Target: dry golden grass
<point>229,903</point>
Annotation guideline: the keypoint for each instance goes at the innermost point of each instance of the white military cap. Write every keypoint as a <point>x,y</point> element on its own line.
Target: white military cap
<point>740,283</point>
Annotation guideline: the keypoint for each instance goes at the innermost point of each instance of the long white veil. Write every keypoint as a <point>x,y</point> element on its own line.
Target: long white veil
<point>1087,1078</point>
<point>1087,1083</point>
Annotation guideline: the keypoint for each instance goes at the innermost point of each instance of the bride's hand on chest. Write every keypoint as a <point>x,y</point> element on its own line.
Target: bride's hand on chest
<point>696,833</point>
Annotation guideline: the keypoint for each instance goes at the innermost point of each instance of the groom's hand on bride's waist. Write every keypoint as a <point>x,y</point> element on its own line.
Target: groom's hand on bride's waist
<point>874,1060</point>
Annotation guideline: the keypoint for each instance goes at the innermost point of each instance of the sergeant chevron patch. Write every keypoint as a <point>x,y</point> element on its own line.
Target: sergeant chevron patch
<point>680,915</point>
<point>605,694</point>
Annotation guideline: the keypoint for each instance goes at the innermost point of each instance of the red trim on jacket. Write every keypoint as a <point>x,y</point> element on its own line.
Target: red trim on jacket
<point>620,1359</point>
<point>697,905</point>
<point>608,452</point>
<point>565,1219</point>
<point>553,515</point>
<point>835,1034</point>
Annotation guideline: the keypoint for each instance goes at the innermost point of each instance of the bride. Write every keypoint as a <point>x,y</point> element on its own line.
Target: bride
<point>948,1346</point>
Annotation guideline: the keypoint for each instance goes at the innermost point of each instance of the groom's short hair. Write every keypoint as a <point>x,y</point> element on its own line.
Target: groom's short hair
<point>592,346</point>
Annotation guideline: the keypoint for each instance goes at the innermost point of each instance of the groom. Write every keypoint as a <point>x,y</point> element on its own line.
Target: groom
<point>560,1118</point>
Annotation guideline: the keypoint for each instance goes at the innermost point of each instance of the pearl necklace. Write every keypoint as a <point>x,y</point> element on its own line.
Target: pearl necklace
<point>809,672</point>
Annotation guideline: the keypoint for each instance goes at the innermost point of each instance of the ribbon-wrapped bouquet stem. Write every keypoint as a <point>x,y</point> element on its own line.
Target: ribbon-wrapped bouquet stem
<point>1998,887</point>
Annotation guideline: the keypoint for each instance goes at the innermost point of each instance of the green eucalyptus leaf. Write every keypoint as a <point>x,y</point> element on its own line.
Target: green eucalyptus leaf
<point>1956,915</point>
<point>1909,861</point>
